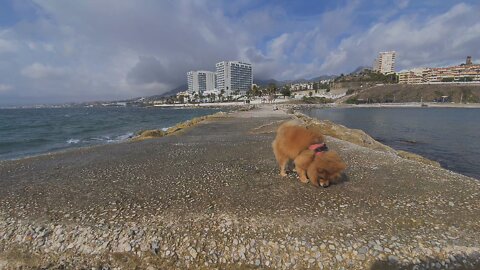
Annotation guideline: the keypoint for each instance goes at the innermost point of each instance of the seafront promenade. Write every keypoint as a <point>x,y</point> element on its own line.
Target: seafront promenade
<point>210,197</point>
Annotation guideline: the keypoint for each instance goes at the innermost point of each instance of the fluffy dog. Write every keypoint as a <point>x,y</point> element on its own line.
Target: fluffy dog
<point>319,165</point>
<point>291,139</point>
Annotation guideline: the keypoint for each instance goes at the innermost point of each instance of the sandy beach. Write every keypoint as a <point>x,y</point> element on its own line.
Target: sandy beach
<point>210,197</point>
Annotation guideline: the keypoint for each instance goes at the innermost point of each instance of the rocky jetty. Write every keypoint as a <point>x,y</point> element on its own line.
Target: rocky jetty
<point>210,197</point>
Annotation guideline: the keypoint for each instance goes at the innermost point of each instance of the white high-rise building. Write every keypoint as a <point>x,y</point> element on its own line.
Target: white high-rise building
<point>234,76</point>
<point>200,81</point>
<point>385,62</point>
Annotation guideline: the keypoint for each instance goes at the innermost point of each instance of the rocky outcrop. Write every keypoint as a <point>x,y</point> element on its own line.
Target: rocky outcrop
<point>358,137</point>
<point>157,133</point>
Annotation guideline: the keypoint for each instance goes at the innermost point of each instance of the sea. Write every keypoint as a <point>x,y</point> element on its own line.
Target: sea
<point>450,136</point>
<point>29,132</point>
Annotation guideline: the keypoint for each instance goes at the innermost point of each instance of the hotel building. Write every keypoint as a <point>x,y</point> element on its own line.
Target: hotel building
<point>201,81</point>
<point>234,76</point>
<point>385,62</point>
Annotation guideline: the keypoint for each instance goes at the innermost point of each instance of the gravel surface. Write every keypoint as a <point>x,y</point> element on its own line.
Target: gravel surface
<point>211,197</point>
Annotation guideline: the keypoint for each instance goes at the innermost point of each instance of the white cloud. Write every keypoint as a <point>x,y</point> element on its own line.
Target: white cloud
<point>439,40</point>
<point>7,46</point>
<point>5,88</point>
<point>41,71</point>
<point>77,50</point>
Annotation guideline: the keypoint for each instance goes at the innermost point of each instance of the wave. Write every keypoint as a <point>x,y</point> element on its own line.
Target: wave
<point>112,139</point>
<point>73,141</point>
<point>121,138</point>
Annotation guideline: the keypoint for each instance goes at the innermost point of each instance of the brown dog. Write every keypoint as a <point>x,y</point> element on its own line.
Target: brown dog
<point>319,164</point>
<point>291,139</point>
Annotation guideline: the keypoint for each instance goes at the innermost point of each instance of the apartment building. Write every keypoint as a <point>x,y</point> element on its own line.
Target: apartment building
<point>233,76</point>
<point>416,75</point>
<point>201,81</point>
<point>468,72</point>
<point>385,62</point>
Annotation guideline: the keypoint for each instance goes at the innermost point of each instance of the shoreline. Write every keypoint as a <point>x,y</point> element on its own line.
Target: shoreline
<point>415,105</point>
<point>147,134</point>
<point>136,134</point>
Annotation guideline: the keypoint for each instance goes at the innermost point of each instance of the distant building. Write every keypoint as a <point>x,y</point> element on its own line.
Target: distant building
<point>462,73</point>
<point>416,75</point>
<point>469,60</point>
<point>468,72</point>
<point>385,62</point>
<point>200,81</point>
<point>234,76</point>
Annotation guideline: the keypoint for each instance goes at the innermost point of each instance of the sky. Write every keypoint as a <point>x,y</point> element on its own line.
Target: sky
<point>72,51</point>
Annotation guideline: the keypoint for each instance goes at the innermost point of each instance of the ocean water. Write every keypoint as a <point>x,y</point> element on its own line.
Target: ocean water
<point>26,132</point>
<point>450,136</point>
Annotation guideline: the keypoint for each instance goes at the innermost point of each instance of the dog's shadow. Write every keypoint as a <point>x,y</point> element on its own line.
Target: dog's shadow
<point>343,179</point>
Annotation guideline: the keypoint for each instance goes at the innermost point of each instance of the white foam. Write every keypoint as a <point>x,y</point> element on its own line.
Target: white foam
<point>73,141</point>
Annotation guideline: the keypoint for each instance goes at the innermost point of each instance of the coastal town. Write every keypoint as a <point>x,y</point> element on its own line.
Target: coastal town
<point>239,135</point>
<point>232,81</point>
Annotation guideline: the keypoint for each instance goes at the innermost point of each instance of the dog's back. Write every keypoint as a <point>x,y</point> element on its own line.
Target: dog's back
<point>292,138</point>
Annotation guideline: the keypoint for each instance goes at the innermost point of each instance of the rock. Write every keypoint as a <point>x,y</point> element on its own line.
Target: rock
<point>155,247</point>
<point>393,259</point>
<point>192,252</point>
<point>418,158</point>
<point>363,250</point>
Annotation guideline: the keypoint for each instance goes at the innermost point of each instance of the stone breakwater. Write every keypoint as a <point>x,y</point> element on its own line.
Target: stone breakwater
<point>211,198</point>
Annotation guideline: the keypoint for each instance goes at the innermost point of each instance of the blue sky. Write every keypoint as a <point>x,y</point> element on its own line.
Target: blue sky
<point>64,51</point>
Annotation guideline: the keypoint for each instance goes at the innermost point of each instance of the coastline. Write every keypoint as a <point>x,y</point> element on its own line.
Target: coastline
<point>136,134</point>
<point>210,197</point>
<point>415,105</point>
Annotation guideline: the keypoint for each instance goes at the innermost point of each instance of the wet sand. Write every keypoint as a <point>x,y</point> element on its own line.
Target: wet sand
<point>210,197</point>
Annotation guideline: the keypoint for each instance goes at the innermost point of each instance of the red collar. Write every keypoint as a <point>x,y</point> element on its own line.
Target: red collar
<point>318,148</point>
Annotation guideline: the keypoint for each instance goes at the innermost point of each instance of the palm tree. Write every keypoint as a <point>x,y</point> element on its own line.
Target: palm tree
<point>272,88</point>
<point>286,91</point>
<point>256,91</point>
<point>220,96</point>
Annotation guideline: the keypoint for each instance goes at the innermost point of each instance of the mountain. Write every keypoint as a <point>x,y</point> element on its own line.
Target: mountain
<point>266,82</point>
<point>323,77</point>
<point>360,69</point>
<point>174,91</point>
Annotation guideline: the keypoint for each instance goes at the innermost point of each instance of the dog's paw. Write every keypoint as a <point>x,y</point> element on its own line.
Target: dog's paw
<point>305,180</point>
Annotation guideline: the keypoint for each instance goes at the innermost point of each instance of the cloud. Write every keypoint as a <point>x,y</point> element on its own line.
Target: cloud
<point>91,50</point>
<point>7,46</point>
<point>41,71</point>
<point>402,3</point>
<point>438,40</point>
<point>5,88</point>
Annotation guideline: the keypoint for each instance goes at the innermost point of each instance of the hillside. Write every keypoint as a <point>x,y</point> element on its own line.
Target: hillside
<point>416,93</point>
